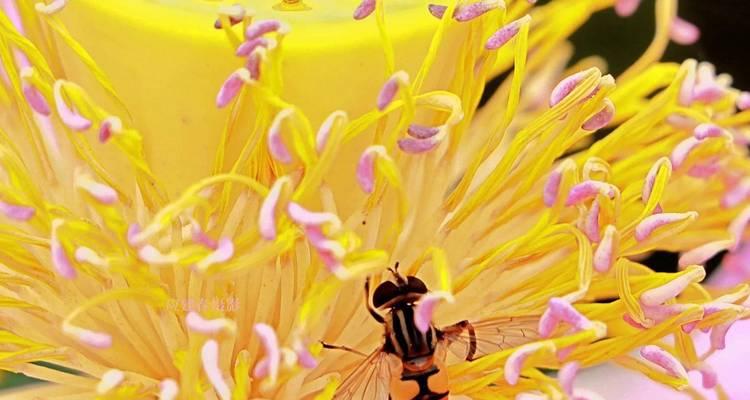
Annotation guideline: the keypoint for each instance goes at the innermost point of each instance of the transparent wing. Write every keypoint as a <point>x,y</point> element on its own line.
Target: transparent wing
<point>471,340</point>
<point>371,379</point>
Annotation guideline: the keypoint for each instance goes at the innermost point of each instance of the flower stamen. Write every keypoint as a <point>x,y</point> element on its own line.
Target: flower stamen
<point>210,361</point>
<point>268,367</point>
<point>683,32</point>
<point>605,254</point>
<point>50,8</point>
<point>664,359</point>
<point>267,214</point>
<point>168,389</point>
<point>110,380</point>
<point>506,33</point>
<point>232,86</point>
<point>589,189</point>
<point>651,223</point>
<point>197,323</point>
<point>365,8</point>
<point>17,212</point>
<point>69,117</point>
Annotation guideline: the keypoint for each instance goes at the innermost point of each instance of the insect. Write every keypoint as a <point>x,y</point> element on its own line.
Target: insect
<point>410,365</point>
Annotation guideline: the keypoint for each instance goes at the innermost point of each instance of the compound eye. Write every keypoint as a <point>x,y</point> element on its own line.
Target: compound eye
<point>415,285</point>
<point>384,293</point>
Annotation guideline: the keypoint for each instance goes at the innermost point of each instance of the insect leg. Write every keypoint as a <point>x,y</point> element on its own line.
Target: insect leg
<point>459,328</point>
<point>472,341</point>
<point>372,311</point>
<point>344,348</point>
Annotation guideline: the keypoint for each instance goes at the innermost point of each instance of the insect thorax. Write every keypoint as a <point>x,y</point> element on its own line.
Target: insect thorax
<point>405,340</point>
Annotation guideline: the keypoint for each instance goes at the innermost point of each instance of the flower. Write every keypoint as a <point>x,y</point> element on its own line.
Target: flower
<point>504,210</point>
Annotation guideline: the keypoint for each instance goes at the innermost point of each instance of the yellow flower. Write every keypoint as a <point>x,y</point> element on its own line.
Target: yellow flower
<point>507,210</point>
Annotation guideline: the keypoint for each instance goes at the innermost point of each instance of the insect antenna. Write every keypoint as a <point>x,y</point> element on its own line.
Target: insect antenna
<point>343,348</point>
<point>399,278</point>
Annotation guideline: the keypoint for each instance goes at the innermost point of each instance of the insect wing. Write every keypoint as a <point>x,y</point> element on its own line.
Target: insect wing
<point>471,340</point>
<point>371,379</point>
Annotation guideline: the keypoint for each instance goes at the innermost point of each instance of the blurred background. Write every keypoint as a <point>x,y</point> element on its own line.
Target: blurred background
<point>724,41</point>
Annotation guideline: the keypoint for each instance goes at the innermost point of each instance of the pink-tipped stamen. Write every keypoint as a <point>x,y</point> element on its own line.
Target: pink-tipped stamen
<point>97,340</point>
<point>506,33</point>
<point>648,185</point>
<point>683,32</point>
<point>743,101</point>
<point>304,356</point>
<point>437,10</point>
<point>110,380</point>
<point>552,187</point>
<point>51,8</point>
<point>267,214</point>
<point>269,366</point>
<point>417,146</point>
<point>468,12</point>
<point>738,227</point>
<point>664,359</point>
<point>276,144</point>
<point>683,150</point>
<point>602,118</point>
<point>235,12</point>
<point>254,61</point>
<point>247,47</point>
<point>567,376</point>
<point>365,8</point>
<point>196,323</point>
<point>707,130</point>
<point>514,364</point>
<point>232,87</point>
<point>321,138</point>
<point>425,309</point>
<point>199,236</point>
<point>709,378</point>
<point>17,212</point>
<point>151,255</point>
<point>87,255</point>
<point>366,167</point>
<point>168,389</point>
<point>422,132</point>
<point>262,27</point>
<point>565,87</point>
<point>626,8</point>
<point>589,189</point>
<point>718,337</point>
<point>132,234</point>
<point>104,194</point>
<point>703,253</point>
<point>390,89</point>
<point>659,295</point>
<point>605,253</point>
<point>69,117</point>
<point>36,100</point>
<point>305,217</point>
<point>60,259</point>
<point>110,126</point>
<point>649,224</point>
<point>591,222</point>
<point>223,252</point>
<point>210,362</point>
<point>565,312</point>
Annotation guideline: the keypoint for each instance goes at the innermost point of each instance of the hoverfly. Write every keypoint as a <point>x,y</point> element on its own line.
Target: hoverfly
<point>409,365</point>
